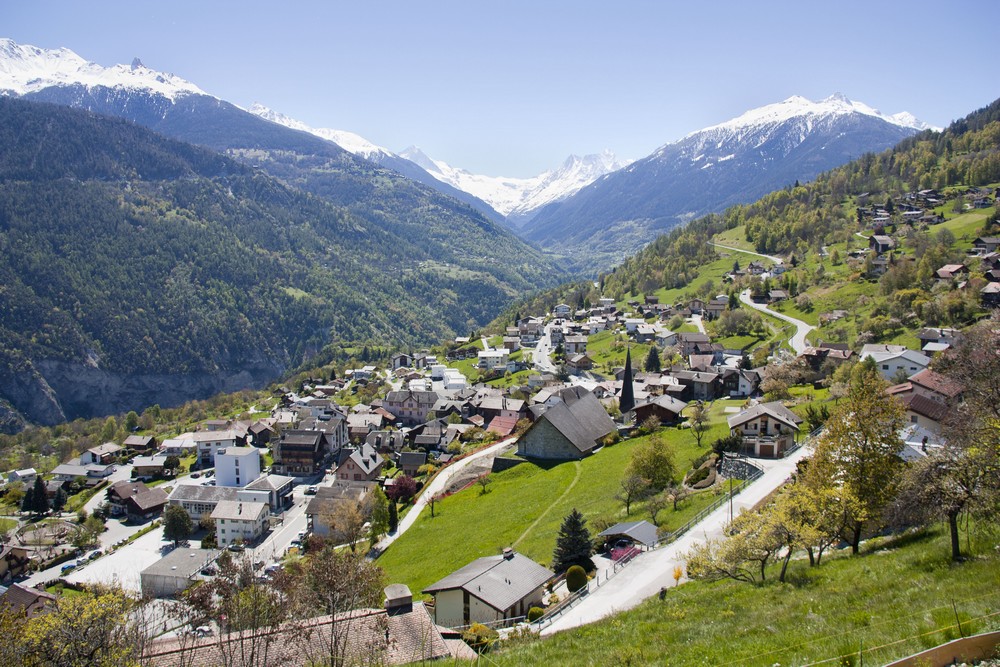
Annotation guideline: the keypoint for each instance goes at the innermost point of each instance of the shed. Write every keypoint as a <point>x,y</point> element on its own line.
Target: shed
<point>642,532</point>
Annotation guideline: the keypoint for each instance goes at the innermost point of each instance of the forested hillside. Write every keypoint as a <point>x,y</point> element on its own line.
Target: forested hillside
<point>139,270</point>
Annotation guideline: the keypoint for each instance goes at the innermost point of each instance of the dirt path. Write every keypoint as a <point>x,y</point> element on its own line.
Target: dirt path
<point>548,509</point>
<point>776,260</point>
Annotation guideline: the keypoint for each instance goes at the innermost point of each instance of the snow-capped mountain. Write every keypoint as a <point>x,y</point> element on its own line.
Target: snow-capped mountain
<point>353,143</point>
<point>27,69</point>
<point>736,161</point>
<point>519,198</point>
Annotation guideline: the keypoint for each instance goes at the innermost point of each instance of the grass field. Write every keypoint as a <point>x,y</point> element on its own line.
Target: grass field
<point>893,600</point>
<point>525,506</point>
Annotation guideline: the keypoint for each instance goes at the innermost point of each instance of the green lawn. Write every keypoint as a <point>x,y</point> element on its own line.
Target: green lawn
<point>7,525</point>
<point>607,349</point>
<point>524,507</point>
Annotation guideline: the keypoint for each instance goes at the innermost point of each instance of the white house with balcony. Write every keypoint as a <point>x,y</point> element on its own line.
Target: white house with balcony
<point>768,430</point>
<point>237,521</point>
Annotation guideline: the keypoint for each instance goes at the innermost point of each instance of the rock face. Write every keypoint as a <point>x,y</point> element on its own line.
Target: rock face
<point>59,391</point>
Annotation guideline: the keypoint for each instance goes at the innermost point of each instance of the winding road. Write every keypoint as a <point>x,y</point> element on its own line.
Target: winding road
<point>776,260</point>
<point>798,341</point>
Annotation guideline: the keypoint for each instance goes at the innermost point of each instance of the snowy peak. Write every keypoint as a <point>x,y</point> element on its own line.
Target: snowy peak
<point>25,69</point>
<point>799,107</point>
<point>349,141</point>
<point>519,197</point>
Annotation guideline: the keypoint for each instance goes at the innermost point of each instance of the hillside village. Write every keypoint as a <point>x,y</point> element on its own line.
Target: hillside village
<point>554,387</point>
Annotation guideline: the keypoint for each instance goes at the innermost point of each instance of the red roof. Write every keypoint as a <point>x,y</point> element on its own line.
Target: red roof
<point>502,426</point>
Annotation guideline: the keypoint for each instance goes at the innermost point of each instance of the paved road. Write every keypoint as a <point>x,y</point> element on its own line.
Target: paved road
<point>437,485</point>
<point>542,358</point>
<point>697,321</point>
<point>776,260</point>
<point>653,570</point>
<point>798,341</point>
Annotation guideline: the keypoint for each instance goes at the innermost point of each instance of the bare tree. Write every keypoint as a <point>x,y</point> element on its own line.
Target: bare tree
<point>347,523</point>
<point>631,488</point>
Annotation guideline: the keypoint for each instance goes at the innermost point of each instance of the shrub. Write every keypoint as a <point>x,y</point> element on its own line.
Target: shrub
<point>697,476</point>
<point>480,637</point>
<point>535,613</point>
<point>576,578</point>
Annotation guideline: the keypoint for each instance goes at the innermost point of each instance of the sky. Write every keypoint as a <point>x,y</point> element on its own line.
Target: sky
<point>512,88</point>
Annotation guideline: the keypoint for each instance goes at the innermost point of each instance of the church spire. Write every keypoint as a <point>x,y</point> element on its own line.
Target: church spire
<point>627,399</point>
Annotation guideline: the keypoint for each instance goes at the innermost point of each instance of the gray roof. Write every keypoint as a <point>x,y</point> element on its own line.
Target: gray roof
<point>412,458</point>
<point>498,581</point>
<point>367,458</point>
<point>583,422</point>
<point>667,402</point>
<point>203,494</point>
<point>774,409</point>
<point>235,510</point>
<point>639,531</point>
<point>269,483</point>
<point>328,497</point>
<point>183,562</point>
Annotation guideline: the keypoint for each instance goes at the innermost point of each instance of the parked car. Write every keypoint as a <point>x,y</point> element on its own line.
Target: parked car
<point>311,491</point>
<point>69,565</point>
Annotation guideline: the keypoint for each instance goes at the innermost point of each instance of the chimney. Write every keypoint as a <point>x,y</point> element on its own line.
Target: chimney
<point>508,553</point>
<point>398,599</point>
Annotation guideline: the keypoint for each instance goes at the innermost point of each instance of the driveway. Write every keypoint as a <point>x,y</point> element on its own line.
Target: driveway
<point>797,341</point>
<point>439,484</point>
<point>653,570</point>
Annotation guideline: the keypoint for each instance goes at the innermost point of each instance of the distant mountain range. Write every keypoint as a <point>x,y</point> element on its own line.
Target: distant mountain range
<point>734,162</point>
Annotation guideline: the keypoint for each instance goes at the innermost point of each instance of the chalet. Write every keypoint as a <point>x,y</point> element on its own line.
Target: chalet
<point>493,405</point>
<point>990,295</point>
<point>931,384</point>
<point>299,453</point>
<point>945,335</point>
<point>986,244</point>
<point>756,268</point>
<point>410,462</point>
<point>665,409</point>
<point>925,413</point>
<point>25,476</point>
<point>14,561</point>
<point>881,243</point>
<point>400,360</point>
<point>512,343</point>
<point>502,426</point>
<point>142,444</point>
<point>689,343</point>
<point>579,363</point>
<point>211,441</point>
<point>148,467</point>
<point>489,589</point>
<point>135,501</point>
<point>952,272</point>
<point>363,465</point>
<point>700,385</point>
<point>696,306</point>
<point>715,308</point>
<point>816,356</point>
<point>410,407</point>
<point>102,454</point>
<point>28,601</point>
<point>767,429</point>
<point>570,428</point>
<point>561,310</point>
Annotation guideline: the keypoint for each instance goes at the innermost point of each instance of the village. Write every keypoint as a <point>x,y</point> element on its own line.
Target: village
<point>551,388</point>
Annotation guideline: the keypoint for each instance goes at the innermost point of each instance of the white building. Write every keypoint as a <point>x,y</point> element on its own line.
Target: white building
<point>237,466</point>
<point>210,442</point>
<point>239,521</point>
<point>894,360</point>
<point>493,359</point>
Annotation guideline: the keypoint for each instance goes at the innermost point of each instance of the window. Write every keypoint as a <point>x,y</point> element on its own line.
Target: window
<point>885,367</point>
<point>913,419</point>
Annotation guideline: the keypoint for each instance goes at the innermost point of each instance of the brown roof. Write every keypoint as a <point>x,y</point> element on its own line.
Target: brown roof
<point>937,383</point>
<point>926,407</point>
<point>21,598</point>
<point>412,637</point>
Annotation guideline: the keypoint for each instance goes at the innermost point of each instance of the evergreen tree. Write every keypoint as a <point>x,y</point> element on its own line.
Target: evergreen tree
<point>393,517</point>
<point>573,546</point>
<point>27,500</point>
<point>627,399</point>
<point>379,517</point>
<point>39,497</point>
<point>59,500</point>
<point>653,360</point>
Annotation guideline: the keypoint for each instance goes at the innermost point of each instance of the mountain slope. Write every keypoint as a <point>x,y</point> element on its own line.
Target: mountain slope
<point>139,270</point>
<point>733,162</point>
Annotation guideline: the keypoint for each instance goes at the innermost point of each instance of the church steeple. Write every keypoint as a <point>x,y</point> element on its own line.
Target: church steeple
<point>627,399</point>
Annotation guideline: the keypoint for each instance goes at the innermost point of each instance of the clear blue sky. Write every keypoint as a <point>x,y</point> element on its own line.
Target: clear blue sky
<point>511,88</point>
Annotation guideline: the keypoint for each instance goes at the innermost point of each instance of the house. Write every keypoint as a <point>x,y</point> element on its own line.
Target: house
<point>986,244</point>
<point>579,363</point>
<point>665,409</point>
<point>895,360</point>
<point>489,589</point>
<point>571,428</point>
<point>237,466</point>
<point>28,601</point>
<point>777,295</point>
<point>494,405</point>
<point>881,243</point>
<point>502,426</point>
<point>925,413</point>
<point>715,308</point>
<point>410,407</point>
<point>238,521</point>
<point>386,442</point>
<point>491,360</point>
<point>363,465</point>
<point>176,571</point>
<point>692,343</point>
<point>938,335</point>
<point>323,506</point>
<point>817,355</point>
<point>575,345</point>
<point>14,561</point>
<point>410,462</point>
<point>142,444</point>
<point>756,268</point>
<point>400,360</point>
<point>768,430</point>
<point>200,501</point>
<point>952,272</point>
<point>25,476</point>
<point>561,310</point>
<point>102,454</point>
<point>299,453</point>
<point>260,433</point>
<point>93,472</point>
<point>215,425</point>
<point>180,446</point>
<point>936,387</point>
<point>135,500</point>
<point>699,385</point>
<point>361,424</point>
<point>210,442</point>
<point>273,490</point>
<point>990,295</point>
<point>148,467</point>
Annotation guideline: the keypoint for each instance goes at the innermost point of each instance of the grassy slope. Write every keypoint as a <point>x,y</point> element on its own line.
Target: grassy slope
<point>897,593</point>
<point>524,506</point>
